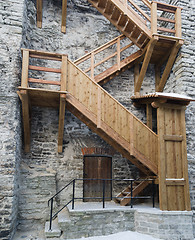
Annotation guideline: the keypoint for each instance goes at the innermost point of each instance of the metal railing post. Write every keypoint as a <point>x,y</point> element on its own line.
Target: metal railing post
<point>73,193</point>
<point>103,196</point>
<point>131,193</point>
<point>51,213</point>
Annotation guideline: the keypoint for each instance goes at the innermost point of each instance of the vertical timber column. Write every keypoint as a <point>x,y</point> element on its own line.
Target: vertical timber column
<point>39,13</point>
<point>64,14</point>
<point>173,167</point>
<point>25,100</point>
<point>62,106</point>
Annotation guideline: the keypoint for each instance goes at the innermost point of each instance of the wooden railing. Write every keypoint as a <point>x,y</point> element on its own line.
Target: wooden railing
<point>157,14</point>
<point>88,63</point>
<point>28,54</point>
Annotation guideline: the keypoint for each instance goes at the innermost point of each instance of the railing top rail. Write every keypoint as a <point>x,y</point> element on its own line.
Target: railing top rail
<point>61,190</point>
<point>99,49</point>
<point>42,53</point>
<point>168,6</point>
<point>147,3</point>
<point>140,10</point>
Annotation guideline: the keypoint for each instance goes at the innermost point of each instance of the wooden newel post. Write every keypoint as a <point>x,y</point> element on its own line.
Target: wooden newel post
<point>154,18</point>
<point>92,65</point>
<point>25,65</point>
<point>64,75</point>
<point>178,23</point>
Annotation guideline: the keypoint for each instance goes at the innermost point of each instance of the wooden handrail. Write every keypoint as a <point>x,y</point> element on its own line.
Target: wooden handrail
<point>91,55</point>
<point>140,10</point>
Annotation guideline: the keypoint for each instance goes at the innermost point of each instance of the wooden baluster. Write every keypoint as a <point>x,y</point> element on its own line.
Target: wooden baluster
<point>178,23</point>
<point>39,13</point>
<point>154,18</point>
<point>92,65</point>
<point>25,65</point>
<point>119,53</point>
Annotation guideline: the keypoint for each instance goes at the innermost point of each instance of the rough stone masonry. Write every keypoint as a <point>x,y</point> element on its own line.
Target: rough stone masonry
<point>22,174</point>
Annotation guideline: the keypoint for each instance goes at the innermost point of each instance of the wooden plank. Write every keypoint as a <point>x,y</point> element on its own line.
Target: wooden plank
<point>64,14</point>
<point>131,137</point>
<point>64,73</point>
<point>149,115</point>
<point>166,30</point>
<point>99,109</point>
<point>39,13</point>
<point>25,64</point>
<point>166,19</point>
<point>175,182</point>
<point>44,69</point>
<point>26,119</point>
<point>61,122</point>
<point>145,64</point>
<point>162,160</point>
<point>42,81</point>
<point>185,162</point>
<point>174,138</point>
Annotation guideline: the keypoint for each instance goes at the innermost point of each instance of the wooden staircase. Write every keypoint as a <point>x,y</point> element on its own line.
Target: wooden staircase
<point>88,101</point>
<point>124,197</point>
<point>122,15</point>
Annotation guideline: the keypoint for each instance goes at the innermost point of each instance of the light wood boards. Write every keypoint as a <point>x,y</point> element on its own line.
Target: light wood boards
<point>173,172</point>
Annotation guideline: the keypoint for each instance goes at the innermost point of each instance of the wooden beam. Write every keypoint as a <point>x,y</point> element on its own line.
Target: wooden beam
<point>64,14</point>
<point>136,75</point>
<point>145,64</point>
<point>169,66</point>
<point>26,119</point>
<point>61,121</point>
<point>149,115</point>
<point>39,13</point>
<point>62,103</point>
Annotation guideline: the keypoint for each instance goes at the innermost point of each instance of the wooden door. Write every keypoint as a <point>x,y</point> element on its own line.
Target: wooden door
<point>97,167</point>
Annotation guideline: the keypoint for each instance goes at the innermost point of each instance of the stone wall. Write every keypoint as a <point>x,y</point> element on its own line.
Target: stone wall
<point>86,30</point>
<point>164,224</point>
<point>11,22</point>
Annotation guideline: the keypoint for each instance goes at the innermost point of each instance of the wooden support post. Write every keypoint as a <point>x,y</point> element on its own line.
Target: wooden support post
<point>92,65</point>
<point>26,119</point>
<point>136,76</point>
<point>145,64</point>
<point>62,103</point>
<point>149,115</point>
<point>169,65</point>
<point>39,13</point>
<point>154,18</point>
<point>178,23</point>
<point>25,65</point>
<point>157,77</point>
<point>64,14</point>
<point>119,53</point>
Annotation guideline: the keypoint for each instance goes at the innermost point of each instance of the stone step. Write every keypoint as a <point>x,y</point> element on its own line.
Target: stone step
<point>55,232</point>
<point>64,219</point>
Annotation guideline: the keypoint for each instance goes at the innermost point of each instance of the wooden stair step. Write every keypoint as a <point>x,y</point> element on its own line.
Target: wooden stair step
<point>116,14</point>
<point>109,8</point>
<point>129,27</point>
<point>102,4</point>
<point>122,20</point>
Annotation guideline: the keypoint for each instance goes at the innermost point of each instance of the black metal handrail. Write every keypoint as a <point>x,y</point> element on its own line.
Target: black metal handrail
<point>73,182</point>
